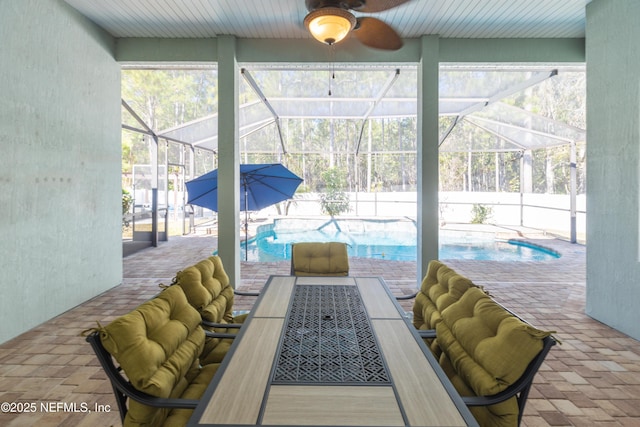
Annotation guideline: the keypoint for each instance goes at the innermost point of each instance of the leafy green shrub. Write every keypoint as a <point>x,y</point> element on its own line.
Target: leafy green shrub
<point>334,200</point>
<point>480,213</point>
<point>127,200</point>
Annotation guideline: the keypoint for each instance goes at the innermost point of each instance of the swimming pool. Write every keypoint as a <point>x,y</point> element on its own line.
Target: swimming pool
<point>383,239</point>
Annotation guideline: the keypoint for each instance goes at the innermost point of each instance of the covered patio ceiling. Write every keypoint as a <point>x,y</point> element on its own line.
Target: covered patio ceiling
<point>472,99</point>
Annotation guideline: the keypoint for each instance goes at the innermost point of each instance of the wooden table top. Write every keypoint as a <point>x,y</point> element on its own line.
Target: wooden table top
<point>244,391</point>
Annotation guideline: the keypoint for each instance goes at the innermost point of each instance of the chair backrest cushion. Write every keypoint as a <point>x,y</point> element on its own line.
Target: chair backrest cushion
<point>440,288</point>
<point>207,288</point>
<point>158,346</point>
<point>485,348</point>
<point>319,259</point>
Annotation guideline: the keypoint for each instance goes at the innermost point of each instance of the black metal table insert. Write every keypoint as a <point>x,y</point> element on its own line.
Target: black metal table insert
<point>328,339</point>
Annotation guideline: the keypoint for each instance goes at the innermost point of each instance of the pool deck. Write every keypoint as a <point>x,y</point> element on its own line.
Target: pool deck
<point>592,379</point>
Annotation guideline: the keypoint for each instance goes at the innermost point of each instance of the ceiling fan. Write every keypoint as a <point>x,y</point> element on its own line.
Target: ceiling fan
<point>330,21</point>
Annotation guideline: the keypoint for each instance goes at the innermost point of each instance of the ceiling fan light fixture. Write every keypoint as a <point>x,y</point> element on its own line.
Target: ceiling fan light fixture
<point>329,25</point>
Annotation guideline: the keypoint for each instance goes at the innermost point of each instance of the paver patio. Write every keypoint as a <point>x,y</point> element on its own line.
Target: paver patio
<point>593,378</point>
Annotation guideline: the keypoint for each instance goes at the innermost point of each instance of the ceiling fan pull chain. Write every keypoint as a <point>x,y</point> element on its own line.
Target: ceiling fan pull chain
<point>331,79</point>
<point>332,74</point>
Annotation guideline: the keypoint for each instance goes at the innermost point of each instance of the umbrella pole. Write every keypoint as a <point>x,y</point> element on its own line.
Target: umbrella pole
<point>246,224</point>
<point>246,233</point>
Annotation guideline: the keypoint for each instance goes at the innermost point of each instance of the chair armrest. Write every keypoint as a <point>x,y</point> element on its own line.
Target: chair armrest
<point>520,387</point>
<point>403,297</point>
<point>427,333</point>
<point>246,293</point>
<point>124,389</point>
<point>161,402</point>
<point>210,334</point>
<point>222,325</point>
<point>489,400</point>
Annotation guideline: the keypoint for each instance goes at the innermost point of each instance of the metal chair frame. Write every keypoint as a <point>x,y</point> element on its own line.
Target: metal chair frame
<point>123,389</point>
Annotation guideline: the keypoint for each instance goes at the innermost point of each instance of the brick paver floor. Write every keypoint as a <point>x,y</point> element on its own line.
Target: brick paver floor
<point>593,378</point>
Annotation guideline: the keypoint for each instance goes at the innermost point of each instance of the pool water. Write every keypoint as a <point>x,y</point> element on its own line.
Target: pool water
<point>384,239</point>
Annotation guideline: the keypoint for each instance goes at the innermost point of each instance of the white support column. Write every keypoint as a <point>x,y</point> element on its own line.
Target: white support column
<point>526,176</point>
<point>155,164</point>
<point>427,215</point>
<point>228,159</point>
<point>574,189</point>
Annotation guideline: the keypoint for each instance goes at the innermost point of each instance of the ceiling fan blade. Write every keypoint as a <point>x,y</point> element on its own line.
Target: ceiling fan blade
<point>375,33</point>
<point>311,4</point>
<point>319,4</point>
<point>371,6</point>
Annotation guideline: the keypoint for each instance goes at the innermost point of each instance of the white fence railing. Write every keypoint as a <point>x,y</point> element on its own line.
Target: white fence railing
<point>550,212</point>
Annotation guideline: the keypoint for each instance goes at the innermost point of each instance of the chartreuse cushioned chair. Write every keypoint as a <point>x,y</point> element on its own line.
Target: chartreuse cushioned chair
<point>440,288</point>
<point>319,259</point>
<point>490,356</point>
<point>207,287</point>
<point>157,346</point>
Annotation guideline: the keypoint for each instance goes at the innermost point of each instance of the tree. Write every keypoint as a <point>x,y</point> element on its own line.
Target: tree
<point>334,200</point>
<point>164,99</point>
<point>386,158</point>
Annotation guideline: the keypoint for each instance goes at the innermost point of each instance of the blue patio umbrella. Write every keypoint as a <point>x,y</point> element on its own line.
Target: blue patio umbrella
<point>261,185</point>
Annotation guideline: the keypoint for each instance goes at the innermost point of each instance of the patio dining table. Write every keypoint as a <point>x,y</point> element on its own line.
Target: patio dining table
<point>327,351</point>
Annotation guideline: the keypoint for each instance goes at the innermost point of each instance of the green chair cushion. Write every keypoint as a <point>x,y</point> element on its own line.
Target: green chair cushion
<point>485,349</point>
<point>207,288</point>
<point>319,259</point>
<point>441,287</point>
<point>504,414</point>
<point>158,346</point>
<point>140,415</point>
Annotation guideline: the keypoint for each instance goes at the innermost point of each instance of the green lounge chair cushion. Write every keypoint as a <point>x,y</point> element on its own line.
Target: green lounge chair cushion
<point>158,345</point>
<point>207,288</point>
<point>206,285</point>
<point>484,350</point>
<point>320,259</point>
<point>440,288</point>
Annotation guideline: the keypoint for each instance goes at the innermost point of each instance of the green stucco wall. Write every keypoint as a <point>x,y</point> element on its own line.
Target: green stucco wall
<point>59,163</point>
<point>613,171</point>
